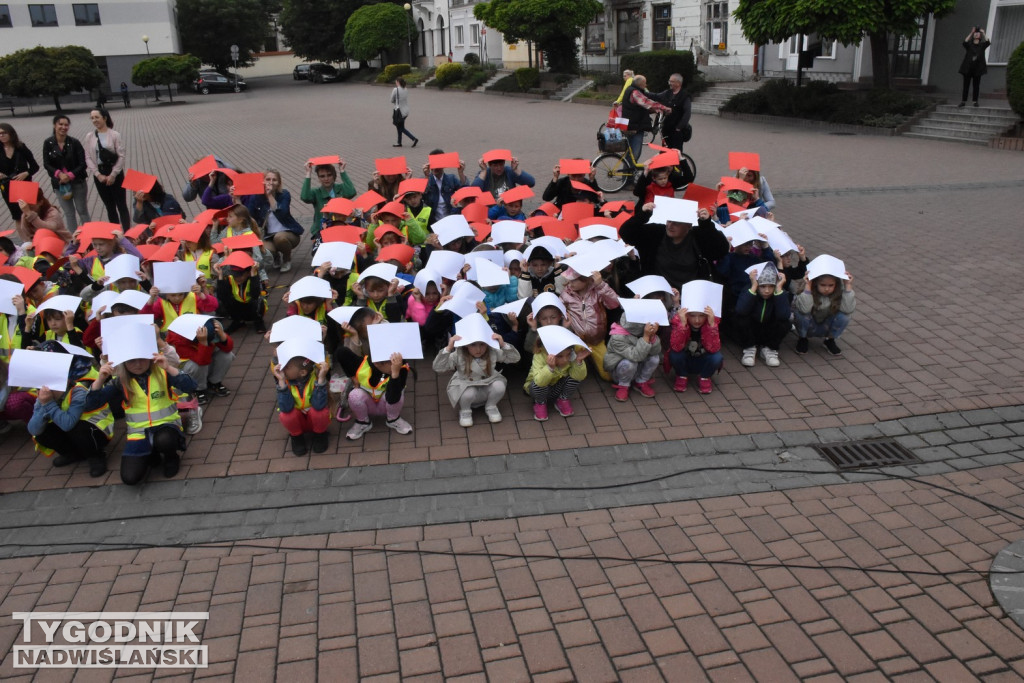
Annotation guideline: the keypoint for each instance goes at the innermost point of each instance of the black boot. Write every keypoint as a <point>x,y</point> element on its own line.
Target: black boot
<point>320,442</point>
<point>299,444</point>
<point>172,463</point>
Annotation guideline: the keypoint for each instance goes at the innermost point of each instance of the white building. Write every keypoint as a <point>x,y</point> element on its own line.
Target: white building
<point>447,28</point>
<point>115,32</point>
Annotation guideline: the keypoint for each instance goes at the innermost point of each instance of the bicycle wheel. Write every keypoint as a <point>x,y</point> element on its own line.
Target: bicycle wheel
<point>686,161</point>
<point>612,172</point>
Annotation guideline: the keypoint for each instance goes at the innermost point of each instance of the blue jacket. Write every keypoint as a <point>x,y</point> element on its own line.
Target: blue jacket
<point>765,310</point>
<point>733,267</point>
<point>510,180</point>
<point>499,213</point>
<point>259,207</point>
<point>449,184</point>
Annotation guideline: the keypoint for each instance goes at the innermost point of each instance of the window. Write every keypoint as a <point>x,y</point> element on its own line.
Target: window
<point>474,34</point>
<point>5,16</point>
<point>717,25</point>
<point>595,44</point>
<point>627,30</point>
<point>828,49</point>
<point>662,27</point>
<point>42,15</point>
<point>87,14</point>
<point>460,36</point>
<point>1007,31</point>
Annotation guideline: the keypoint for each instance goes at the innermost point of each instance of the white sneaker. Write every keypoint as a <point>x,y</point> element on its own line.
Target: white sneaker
<point>357,430</point>
<point>193,420</point>
<point>399,425</point>
<point>749,356</point>
<point>286,266</point>
<point>493,413</point>
<point>465,418</point>
<point>771,358</point>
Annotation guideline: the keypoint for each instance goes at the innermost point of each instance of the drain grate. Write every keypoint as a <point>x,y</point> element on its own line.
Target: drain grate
<point>855,455</point>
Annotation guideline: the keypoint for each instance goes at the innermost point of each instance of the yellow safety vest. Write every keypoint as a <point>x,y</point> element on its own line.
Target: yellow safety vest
<point>237,295</point>
<point>319,315</point>
<point>303,401</point>
<point>188,305</point>
<point>149,408</point>
<point>9,341</point>
<point>50,334</point>
<point>203,262</point>
<point>97,272</point>
<point>363,379</point>
<point>101,417</point>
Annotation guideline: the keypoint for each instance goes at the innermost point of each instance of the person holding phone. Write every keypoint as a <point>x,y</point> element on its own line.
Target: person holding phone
<point>973,67</point>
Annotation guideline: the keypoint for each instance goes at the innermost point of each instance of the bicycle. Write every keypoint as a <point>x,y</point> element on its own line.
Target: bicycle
<point>612,170</point>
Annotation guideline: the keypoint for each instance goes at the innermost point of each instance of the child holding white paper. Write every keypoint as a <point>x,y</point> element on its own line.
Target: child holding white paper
<point>61,424</point>
<point>53,324</point>
<point>380,296</point>
<point>634,352</point>
<point>540,275</point>
<point>695,348</point>
<point>201,253</point>
<point>587,299</point>
<point>206,358</point>
<point>476,381</point>
<point>824,309</point>
<point>302,402</point>
<point>762,316</point>
<point>379,391</point>
<point>154,425</point>
<point>555,376</point>
<point>167,307</point>
<point>545,309</point>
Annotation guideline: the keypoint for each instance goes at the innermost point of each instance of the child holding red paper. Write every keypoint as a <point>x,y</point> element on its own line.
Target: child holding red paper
<point>238,292</point>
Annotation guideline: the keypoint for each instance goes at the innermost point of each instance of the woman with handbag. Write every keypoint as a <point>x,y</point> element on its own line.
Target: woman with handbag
<point>64,161</point>
<point>104,157</point>
<point>400,111</point>
<point>16,163</point>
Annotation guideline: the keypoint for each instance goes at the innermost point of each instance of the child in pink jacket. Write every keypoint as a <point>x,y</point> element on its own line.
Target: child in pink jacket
<point>587,300</point>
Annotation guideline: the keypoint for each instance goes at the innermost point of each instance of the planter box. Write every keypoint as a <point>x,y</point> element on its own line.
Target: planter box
<point>1012,144</point>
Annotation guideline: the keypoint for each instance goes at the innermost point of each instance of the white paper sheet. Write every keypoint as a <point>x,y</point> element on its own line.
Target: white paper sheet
<point>104,300</point>
<point>675,210</point>
<point>447,264</point>
<point>339,254</point>
<point>122,266</point>
<point>556,338</point>
<point>452,228</point>
<point>759,267</point>
<point>188,324</point>
<point>38,369</point>
<point>61,302</point>
<point>75,350</point>
<point>342,314</point>
<point>176,277</point>
<point>778,240</point>
<point>490,275</point>
<point>587,263</point>
<point>300,348</point>
<point>474,328</point>
<point>826,265</point>
<point>110,328</point>
<point>492,255</point>
<point>295,327</point>
<point>403,338</point>
<point>385,271</point>
<point>590,232</point>
<point>131,341</point>
<point>644,311</point>
<point>514,307</point>
<point>9,290</point>
<point>460,306</point>
<point>697,295</point>
<point>740,232</point>
<point>508,232</point>
<point>649,283</point>
<point>133,298</point>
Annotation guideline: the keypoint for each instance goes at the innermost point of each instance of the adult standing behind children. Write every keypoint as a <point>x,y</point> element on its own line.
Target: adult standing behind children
<point>973,67</point>
<point>16,163</point>
<point>104,157</point>
<point>64,161</point>
<point>400,111</point>
<point>272,211</point>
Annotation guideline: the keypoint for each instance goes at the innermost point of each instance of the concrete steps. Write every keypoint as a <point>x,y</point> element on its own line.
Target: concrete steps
<point>972,125</point>
<point>498,75</point>
<point>571,89</point>
<point>712,99</point>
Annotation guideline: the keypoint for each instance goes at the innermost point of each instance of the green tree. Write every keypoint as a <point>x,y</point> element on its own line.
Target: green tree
<point>1015,80</point>
<point>312,27</point>
<point>848,22</point>
<point>208,29</point>
<point>374,29</point>
<point>554,25</point>
<point>49,71</point>
<point>166,70</point>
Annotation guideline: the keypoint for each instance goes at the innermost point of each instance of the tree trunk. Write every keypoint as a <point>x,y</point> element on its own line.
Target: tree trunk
<point>880,59</point>
<point>56,102</point>
<point>170,93</point>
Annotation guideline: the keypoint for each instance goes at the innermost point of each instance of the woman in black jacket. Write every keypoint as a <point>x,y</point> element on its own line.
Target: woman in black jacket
<point>64,161</point>
<point>973,67</point>
<point>16,163</point>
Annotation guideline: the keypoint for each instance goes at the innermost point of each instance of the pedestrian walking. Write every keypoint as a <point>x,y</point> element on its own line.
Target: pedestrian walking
<point>400,112</point>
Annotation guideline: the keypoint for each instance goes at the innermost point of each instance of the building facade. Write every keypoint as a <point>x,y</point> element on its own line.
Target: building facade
<point>447,29</point>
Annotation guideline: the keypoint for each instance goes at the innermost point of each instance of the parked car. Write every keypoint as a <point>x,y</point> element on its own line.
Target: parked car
<point>301,72</point>
<point>213,81</point>
<point>322,73</point>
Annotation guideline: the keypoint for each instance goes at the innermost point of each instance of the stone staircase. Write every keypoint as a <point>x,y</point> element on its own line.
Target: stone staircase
<point>498,75</point>
<point>712,99</point>
<point>973,125</point>
<point>572,88</point>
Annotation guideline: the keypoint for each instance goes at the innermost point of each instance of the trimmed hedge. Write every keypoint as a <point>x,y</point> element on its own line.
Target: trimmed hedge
<point>447,74</point>
<point>393,71</point>
<point>471,58</point>
<point>527,78</point>
<point>1015,80</point>
<point>658,65</point>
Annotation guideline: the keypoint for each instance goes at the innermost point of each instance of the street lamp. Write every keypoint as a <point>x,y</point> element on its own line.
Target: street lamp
<point>156,93</point>
<point>408,32</point>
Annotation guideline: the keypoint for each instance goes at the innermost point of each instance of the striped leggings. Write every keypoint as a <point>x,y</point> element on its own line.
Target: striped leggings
<point>563,388</point>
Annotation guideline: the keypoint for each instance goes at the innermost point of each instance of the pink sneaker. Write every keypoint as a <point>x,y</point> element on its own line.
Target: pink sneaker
<point>621,392</point>
<point>564,407</point>
<point>681,384</point>
<point>704,385</point>
<point>646,388</point>
<point>540,412</point>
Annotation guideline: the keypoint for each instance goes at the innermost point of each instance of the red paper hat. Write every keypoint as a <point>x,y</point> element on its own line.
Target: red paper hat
<point>369,199</point>
<point>449,160</point>
<point>481,230</point>
<point>165,253</point>
<point>147,250</point>
<point>394,208</point>
<point>391,166</point>
<point>188,232</point>
<point>218,249</point>
<point>136,232</point>
<point>413,185</point>
<point>618,205</point>
<point>54,246</point>
<point>44,232</point>
<point>247,241</point>
<point>169,219</point>
<point>238,259</point>
<point>535,222</point>
<point>582,187</point>
<point>548,209</point>
<point>339,206</point>
<point>618,220</point>
<point>730,183</point>
<point>27,276</point>
<point>203,167</point>
<point>562,230</point>
<point>706,197</point>
<point>664,160</point>
<point>464,193</point>
<point>57,265</point>
<point>6,233</point>
<point>485,199</point>
<point>497,155</point>
<point>748,160</point>
<point>207,217</point>
<point>246,184</point>
<point>575,211</point>
<point>137,181</point>
<point>166,232</point>
<point>517,194</point>
<point>352,234</point>
<point>97,230</point>
<point>596,220</point>
<point>475,213</point>
<point>329,160</point>
<point>733,208</point>
<point>221,216</point>
<point>574,166</point>
<point>385,229</point>
<point>26,190</point>
<point>402,253</point>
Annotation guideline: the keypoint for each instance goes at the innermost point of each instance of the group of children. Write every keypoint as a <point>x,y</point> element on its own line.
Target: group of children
<point>435,264</point>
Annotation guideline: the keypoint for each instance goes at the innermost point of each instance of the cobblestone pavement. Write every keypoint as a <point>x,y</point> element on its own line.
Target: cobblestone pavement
<point>932,357</point>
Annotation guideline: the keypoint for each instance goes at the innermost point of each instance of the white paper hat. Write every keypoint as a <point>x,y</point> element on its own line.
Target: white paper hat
<point>133,298</point>
<point>300,348</point>
<point>512,307</point>
<point>494,256</point>
<point>104,300</point>
<point>648,284</point>
<point>338,254</point>
<point>460,306</point>
<point>587,263</point>
<point>122,266</point>
<point>513,255</point>
<point>61,302</point>
<point>579,247</point>
<point>451,228</point>
<point>37,369</point>
<point>9,290</point>
<point>464,289</point>
<point>590,232</point>
<point>309,286</point>
<point>780,242</point>
<point>131,341</point>
<point>740,232</point>
<point>826,265</point>
<point>644,311</point>
<point>490,275</point>
<point>552,244</point>
<point>545,299</point>
<point>343,314</point>
<point>447,264</point>
<point>425,277</point>
<point>187,324</point>
<point>75,350</point>
<point>403,338</point>
<point>747,213</point>
<point>385,271</point>
<point>675,210</point>
<point>508,232</point>
<point>697,295</point>
<point>473,328</point>
<point>176,277</point>
<point>295,327</point>
<point>556,338</point>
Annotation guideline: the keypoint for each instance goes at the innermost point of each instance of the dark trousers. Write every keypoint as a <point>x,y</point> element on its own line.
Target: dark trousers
<point>971,80</point>
<point>83,442</point>
<point>115,201</point>
<point>400,127</point>
<point>749,331</point>
<point>165,440</point>
<point>236,310</point>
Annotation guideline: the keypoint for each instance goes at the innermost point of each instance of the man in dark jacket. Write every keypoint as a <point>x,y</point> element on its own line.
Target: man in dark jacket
<point>440,186</point>
<point>675,125</point>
